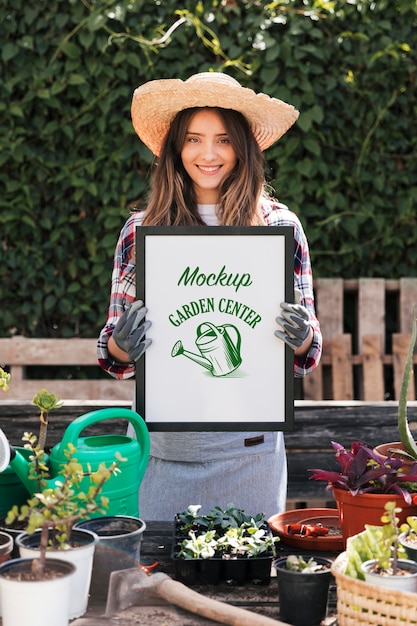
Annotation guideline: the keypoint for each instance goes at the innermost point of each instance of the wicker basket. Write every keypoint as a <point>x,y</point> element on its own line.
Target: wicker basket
<point>361,603</point>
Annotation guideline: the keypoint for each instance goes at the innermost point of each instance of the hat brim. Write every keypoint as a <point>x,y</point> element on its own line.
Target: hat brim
<point>156,103</point>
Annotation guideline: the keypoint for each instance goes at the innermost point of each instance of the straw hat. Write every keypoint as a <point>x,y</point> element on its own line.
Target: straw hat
<point>156,103</point>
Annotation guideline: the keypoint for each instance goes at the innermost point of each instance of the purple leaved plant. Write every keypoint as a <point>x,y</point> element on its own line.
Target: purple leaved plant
<point>362,470</point>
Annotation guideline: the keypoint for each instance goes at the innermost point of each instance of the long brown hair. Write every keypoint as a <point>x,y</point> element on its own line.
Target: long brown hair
<point>172,199</point>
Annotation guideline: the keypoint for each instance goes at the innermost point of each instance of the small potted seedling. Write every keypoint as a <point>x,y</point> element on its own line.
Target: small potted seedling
<point>365,482</point>
<point>303,588</point>
<point>377,555</point>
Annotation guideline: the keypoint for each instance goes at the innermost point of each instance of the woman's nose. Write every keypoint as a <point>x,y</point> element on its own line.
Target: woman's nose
<point>208,150</point>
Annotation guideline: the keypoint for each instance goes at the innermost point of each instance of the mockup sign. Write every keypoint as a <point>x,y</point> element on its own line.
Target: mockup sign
<point>213,294</point>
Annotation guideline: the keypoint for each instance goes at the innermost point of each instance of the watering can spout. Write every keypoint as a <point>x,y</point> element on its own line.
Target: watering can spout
<point>21,467</point>
<point>179,349</point>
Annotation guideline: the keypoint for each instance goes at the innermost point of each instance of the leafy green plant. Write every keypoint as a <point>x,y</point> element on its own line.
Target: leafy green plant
<point>349,67</point>
<point>4,379</point>
<point>297,563</point>
<point>377,542</point>
<point>362,470</point>
<point>217,518</point>
<point>249,541</point>
<point>46,402</point>
<point>228,533</point>
<point>55,510</point>
<point>202,546</point>
<point>410,529</point>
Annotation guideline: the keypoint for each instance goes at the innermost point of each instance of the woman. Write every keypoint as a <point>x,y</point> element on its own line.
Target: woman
<point>208,133</point>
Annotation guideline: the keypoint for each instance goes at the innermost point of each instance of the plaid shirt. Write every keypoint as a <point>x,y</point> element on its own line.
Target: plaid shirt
<point>123,288</point>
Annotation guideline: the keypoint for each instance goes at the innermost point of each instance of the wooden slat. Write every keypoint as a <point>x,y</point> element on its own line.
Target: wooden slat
<point>329,306</point>
<point>313,385</point>
<point>104,389</point>
<point>342,374</point>
<point>407,303</point>
<point>371,310</point>
<point>327,290</point>
<point>23,351</point>
<point>400,343</point>
<point>373,369</point>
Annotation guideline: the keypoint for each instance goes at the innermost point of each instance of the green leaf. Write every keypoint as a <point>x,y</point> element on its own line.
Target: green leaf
<point>9,51</point>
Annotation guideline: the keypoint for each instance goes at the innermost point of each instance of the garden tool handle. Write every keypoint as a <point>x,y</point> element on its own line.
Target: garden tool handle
<point>73,430</point>
<point>175,592</point>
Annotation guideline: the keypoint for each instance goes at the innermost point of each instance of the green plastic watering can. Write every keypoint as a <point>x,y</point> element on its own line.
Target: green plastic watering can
<point>121,489</point>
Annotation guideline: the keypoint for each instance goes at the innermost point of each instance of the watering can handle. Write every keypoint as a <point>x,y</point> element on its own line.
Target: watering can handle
<point>74,429</point>
<point>236,333</point>
<point>205,326</point>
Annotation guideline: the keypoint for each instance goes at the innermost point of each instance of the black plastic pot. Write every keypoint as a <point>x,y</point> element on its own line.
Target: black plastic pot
<point>118,548</point>
<point>303,597</point>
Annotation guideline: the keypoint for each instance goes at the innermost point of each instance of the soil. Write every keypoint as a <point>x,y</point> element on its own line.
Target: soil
<point>411,542</point>
<point>24,572</point>
<point>375,569</point>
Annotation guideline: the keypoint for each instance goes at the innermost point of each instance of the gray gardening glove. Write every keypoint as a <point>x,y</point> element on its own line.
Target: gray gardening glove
<point>129,332</point>
<point>295,323</point>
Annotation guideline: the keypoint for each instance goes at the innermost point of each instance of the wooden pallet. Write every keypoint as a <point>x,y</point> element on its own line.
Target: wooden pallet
<point>366,326</point>
<point>20,354</point>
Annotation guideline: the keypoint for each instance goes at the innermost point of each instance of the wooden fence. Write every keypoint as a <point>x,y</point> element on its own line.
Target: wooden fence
<point>366,325</point>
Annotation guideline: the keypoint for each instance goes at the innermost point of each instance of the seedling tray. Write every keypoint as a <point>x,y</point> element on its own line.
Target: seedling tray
<point>216,570</point>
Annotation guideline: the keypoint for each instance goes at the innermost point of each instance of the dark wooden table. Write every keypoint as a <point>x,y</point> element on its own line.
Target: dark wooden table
<point>156,546</point>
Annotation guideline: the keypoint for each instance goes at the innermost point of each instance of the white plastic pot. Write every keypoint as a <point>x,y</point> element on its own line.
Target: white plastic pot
<point>35,602</point>
<point>406,582</point>
<point>81,556</point>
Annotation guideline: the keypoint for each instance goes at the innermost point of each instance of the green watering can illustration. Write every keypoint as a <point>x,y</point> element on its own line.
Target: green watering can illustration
<point>121,489</point>
<point>219,348</point>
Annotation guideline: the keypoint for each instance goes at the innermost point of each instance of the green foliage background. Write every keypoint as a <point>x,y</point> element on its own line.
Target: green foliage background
<point>71,164</point>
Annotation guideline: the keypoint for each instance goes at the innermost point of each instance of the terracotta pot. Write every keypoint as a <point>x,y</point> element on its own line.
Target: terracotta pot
<point>366,508</point>
<point>383,450</point>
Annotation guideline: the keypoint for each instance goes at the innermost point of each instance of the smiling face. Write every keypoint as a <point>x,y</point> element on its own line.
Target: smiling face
<point>207,155</point>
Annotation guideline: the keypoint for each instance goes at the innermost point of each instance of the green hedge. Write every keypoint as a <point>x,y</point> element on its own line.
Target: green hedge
<point>71,164</point>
